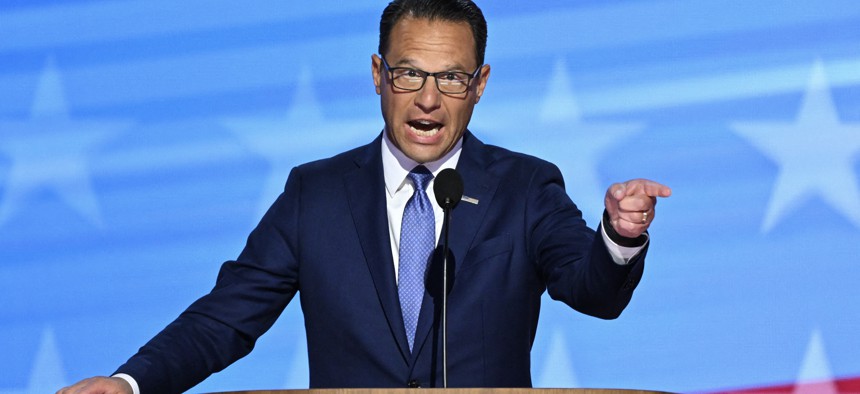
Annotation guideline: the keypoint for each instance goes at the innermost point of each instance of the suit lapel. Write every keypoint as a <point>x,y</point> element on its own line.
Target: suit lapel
<point>478,184</point>
<point>365,188</point>
<point>466,218</point>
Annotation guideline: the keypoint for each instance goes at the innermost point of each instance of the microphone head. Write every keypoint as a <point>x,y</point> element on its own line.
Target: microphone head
<point>448,188</point>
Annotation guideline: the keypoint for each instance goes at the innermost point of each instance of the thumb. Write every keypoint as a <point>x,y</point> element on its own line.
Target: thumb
<point>618,191</point>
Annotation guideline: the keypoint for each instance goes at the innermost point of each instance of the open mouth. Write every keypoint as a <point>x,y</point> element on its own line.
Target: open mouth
<point>424,128</point>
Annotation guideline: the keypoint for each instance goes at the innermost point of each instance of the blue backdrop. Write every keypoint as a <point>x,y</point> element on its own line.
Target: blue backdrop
<point>140,142</point>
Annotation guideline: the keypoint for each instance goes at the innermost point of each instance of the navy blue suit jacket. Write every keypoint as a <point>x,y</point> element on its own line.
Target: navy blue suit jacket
<point>326,237</point>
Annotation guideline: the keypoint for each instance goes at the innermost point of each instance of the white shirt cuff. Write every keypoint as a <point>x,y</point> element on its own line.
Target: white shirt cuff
<point>621,255</point>
<point>133,383</point>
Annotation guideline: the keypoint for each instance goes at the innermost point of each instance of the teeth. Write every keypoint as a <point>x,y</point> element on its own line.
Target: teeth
<point>425,133</point>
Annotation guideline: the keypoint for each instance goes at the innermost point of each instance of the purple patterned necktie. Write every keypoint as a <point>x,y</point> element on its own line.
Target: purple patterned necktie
<point>417,240</point>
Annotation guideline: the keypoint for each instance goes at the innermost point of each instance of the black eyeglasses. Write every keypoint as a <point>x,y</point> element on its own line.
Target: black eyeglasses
<point>412,79</point>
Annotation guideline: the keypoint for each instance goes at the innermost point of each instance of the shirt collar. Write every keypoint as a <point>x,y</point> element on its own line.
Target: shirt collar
<point>396,165</point>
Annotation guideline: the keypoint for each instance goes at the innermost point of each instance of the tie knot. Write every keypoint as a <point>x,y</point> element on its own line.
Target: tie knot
<point>420,176</point>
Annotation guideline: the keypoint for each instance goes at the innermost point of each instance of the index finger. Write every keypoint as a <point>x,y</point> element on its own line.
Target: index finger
<point>647,187</point>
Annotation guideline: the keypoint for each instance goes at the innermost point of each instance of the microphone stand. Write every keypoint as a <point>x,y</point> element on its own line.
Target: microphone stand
<point>448,188</point>
<point>447,223</point>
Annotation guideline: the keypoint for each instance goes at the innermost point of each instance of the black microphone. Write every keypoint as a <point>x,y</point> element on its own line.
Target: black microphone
<point>448,188</point>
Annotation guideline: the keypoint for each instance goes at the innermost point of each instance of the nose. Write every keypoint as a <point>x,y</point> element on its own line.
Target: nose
<point>429,97</point>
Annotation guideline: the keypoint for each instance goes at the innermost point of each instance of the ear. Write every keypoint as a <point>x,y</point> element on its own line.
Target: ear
<point>376,69</point>
<point>482,82</point>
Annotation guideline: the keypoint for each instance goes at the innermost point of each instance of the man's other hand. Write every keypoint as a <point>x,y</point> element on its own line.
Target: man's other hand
<point>98,385</point>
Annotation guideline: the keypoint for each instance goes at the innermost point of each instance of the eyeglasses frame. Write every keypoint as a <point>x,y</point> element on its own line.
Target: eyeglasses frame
<point>426,74</point>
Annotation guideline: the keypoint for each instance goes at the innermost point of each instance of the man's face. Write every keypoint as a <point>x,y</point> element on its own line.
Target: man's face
<point>426,124</point>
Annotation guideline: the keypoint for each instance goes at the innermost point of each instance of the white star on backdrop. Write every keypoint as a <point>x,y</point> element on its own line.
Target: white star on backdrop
<point>47,375</point>
<point>49,151</point>
<point>815,376</point>
<point>576,146</point>
<point>815,154</point>
<point>285,141</point>
<point>557,368</point>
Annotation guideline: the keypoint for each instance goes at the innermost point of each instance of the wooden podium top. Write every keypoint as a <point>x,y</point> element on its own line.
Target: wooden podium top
<point>449,391</point>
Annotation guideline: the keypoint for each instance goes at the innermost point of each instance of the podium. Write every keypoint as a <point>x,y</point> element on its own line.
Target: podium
<point>448,391</point>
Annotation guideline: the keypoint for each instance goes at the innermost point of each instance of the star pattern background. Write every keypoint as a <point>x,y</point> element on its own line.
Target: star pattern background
<point>816,154</point>
<point>137,153</point>
<point>50,150</point>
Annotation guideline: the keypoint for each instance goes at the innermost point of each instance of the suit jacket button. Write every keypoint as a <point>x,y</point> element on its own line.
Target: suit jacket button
<point>413,384</point>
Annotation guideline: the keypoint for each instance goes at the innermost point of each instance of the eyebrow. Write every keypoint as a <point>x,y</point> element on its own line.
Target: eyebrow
<point>407,62</point>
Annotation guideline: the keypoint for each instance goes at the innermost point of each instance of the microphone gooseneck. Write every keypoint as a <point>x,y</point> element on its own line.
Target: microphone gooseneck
<point>448,188</point>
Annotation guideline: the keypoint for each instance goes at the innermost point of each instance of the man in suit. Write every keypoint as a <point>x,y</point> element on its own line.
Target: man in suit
<point>341,235</point>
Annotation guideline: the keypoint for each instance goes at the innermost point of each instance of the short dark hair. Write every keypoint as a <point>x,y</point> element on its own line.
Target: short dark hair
<point>435,10</point>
